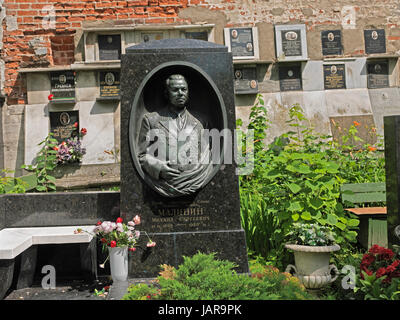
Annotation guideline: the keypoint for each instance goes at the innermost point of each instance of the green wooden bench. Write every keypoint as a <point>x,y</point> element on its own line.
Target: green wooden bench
<point>373,222</point>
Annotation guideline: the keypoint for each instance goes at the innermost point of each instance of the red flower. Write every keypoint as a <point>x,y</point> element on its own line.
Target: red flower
<point>356,123</point>
<point>76,124</point>
<point>119,220</point>
<point>98,223</point>
<point>83,131</point>
<point>55,148</point>
<point>132,249</point>
<point>372,149</point>
<point>113,244</point>
<point>50,97</point>
<point>381,272</point>
<point>103,240</point>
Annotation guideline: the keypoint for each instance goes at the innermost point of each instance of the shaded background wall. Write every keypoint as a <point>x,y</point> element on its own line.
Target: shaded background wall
<point>27,44</point>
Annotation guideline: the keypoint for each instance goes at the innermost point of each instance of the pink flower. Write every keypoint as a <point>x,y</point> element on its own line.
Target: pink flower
<point>132,249</point>
<point>151,244</point>
<point>136,219</point>
<point>131,223</point>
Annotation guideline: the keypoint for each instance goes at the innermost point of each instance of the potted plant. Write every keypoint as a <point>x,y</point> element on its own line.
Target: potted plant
<point>118,237</point>
<point>312,245</point>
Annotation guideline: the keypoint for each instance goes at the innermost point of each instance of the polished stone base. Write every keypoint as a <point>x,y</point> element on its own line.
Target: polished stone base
<point>172,247</point>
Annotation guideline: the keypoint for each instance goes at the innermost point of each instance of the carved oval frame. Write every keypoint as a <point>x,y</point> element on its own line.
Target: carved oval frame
<point>132,136</point>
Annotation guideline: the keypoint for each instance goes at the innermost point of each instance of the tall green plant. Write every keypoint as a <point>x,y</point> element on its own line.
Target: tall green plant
<point>45,164</point>
<point>297,178</point>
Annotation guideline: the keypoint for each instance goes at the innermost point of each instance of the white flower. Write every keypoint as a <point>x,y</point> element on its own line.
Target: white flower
<point>131,223</point>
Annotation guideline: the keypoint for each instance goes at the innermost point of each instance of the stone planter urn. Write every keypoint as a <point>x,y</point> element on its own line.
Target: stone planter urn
<point>312,266</point>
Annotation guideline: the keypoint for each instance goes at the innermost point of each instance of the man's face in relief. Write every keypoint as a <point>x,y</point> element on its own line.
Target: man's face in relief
<point>178,93</point>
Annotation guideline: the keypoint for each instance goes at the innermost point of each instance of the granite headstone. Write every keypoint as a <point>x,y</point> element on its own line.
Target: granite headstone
<point>207,220</point>
<point>392,164</point>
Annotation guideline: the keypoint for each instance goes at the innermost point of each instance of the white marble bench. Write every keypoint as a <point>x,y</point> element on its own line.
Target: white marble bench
<point>14,241</point>
<point>22,243</point>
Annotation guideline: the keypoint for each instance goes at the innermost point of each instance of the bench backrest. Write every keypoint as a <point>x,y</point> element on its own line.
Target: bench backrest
<point>364,192</point>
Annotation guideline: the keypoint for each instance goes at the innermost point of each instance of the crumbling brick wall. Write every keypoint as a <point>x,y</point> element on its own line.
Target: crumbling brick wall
<point>39,33</point>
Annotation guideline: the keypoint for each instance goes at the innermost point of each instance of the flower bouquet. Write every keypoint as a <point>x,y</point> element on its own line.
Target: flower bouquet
<point>71,151</point>
<point>118,237</point>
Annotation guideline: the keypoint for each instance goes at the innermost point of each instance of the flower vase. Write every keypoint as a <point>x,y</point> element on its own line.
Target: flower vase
<point>119,263</point>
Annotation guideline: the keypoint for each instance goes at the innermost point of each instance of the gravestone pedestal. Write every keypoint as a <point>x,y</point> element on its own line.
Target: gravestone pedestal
<point>207,220</point>
<point>392,164</point>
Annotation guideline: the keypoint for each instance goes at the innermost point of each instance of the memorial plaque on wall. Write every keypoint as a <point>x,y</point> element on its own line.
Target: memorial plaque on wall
<point>246,80</point>
<point>242,42</point>
<point>151,36</point>
<point>291,42</point>
<point>63,85</point>
<point>290,78</point>
<point>64,124</point>
<point>331,42</point>
<point>378,74</point>
<point>375,41</point>
<point>334,76</point>
<point>200,35</point>
<point>109,47</point>
<point>109,84</point>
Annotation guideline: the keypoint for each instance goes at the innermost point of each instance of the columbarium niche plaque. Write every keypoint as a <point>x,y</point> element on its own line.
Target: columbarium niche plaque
<point>331,42</point>
<point>378,74</point>
<point>334,76</point>
<point>245,79</point>
<point>109,84</point>
<point>290,78</point>
<point>198,35</point>
<point>375,41</point>
<point>242,42</point>
<point>63,85</point>
<point>291,42</point>
<point>173,92</point>
<point>109,46</point>
<point>64,124</point>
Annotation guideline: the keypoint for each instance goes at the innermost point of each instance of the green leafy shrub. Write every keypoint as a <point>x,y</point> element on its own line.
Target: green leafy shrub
<point>297,179</point>
<point>202,277</point>
<point>311,235</point>
<point>11,184</point>
<point>46,161</point>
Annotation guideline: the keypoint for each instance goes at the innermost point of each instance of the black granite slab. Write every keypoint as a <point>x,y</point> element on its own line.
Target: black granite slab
<point>57,209</point>
<point>392,164</point>
<point>216,206</point>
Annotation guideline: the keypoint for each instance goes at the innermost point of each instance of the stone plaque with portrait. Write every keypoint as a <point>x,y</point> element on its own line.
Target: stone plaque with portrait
<point>378,74</point>
<point>331,42</point>
<point>290,78</point>
<point>291,42</point>
<point>375,41</point>
<point>245,79</point>
<point>334,76</point>
<point>109,83</point>
<point>63,85</point>
<point>109,47</point>
<point>242,42</point>
<point>64,124</point>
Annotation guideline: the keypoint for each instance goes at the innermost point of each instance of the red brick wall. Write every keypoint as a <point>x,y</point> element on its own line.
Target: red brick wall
<point>31,45</point>
<point>24,47</point>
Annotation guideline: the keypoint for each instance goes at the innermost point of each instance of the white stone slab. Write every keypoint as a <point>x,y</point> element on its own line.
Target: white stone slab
<point>38,87</point>
<point>384,102</point>
<point>347,102</point>
<point>98,119</point>
<point>315,110</point>
<point>37,127</point>
<point>312,76</point>
<point>13,241</point>
<point>87,85</point>
<point>356,73</point>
